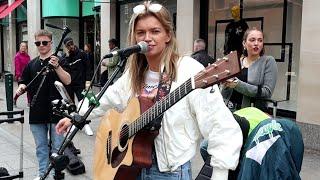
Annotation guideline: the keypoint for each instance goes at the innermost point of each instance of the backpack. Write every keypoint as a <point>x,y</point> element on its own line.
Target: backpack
<point>75,165</point>
<point>3,172</point>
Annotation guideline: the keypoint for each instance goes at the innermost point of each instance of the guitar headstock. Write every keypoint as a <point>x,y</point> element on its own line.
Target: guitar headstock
<point>224,68</point>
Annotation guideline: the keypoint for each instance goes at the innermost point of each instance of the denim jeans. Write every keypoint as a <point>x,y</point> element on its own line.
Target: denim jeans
<point>182,173</point>
<point>41,134</point>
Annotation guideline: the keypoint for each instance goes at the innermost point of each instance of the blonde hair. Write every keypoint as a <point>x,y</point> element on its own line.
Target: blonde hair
<point>43,32</point>
<point>137,63</point>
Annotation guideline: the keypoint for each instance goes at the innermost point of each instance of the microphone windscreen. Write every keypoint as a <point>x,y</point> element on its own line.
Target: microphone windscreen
<point>144,47</point>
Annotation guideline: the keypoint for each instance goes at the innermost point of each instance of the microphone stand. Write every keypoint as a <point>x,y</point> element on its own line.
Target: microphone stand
<point>79,121</point>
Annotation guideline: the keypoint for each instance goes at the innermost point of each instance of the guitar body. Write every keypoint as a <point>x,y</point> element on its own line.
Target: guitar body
<point>117,156</point>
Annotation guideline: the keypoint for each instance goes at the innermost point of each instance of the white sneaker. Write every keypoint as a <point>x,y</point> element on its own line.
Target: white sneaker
<point>88,130</point>
<point>37,178</point>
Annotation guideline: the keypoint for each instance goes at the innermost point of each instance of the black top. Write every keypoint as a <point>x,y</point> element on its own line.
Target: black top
<point>90,65</point>
<point>41,111</point>
<point>236,97</point>
<point>233,36</point>
<point>76,64</point>
<point>203,57</point>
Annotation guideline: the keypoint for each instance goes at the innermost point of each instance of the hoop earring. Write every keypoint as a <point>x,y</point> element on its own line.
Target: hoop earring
<point>245,52</point>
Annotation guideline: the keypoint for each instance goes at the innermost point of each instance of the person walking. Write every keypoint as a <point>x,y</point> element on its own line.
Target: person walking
<point>77,62</point>
<point>200,54</point>
<point>110,63</point>
<point>21,59</point>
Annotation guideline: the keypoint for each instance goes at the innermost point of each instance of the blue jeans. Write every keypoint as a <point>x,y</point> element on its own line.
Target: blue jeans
<point>203,149</point>
<point>182,173</point>
<point>41,134</point>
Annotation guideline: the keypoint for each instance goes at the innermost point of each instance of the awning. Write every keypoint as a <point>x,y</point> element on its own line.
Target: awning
<point>3,7</point>
<point>13,6</point>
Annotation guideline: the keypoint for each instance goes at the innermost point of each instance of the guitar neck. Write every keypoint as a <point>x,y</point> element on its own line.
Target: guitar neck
<point>160,107</point>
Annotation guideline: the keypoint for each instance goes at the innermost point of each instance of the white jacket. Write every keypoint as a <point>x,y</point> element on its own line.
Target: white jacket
<point>199,114</point>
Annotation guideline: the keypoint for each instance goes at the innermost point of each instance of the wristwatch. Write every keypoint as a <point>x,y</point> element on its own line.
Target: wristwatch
<point>236,80</point>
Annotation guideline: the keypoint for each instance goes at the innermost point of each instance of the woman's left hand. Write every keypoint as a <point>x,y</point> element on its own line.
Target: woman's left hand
<point>231,83</point>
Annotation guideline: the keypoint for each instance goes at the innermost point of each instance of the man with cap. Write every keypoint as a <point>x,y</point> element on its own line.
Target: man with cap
<point>77,67</point>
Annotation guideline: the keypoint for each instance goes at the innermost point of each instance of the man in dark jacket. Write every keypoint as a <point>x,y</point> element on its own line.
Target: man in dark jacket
<point>77,62</point>
<point>200,54</point>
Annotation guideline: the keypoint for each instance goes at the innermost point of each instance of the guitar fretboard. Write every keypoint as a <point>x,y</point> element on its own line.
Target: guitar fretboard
<point>160,107</point>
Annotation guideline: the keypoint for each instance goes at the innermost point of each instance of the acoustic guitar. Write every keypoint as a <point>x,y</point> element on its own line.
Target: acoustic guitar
<point>122,145</point>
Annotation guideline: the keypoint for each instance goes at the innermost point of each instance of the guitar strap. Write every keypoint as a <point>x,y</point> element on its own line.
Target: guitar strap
<point>163,89</point>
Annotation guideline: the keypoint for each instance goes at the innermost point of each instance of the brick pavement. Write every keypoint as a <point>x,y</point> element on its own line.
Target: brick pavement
<point>9,148</point>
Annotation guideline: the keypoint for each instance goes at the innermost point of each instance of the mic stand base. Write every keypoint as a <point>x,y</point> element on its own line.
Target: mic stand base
<point>58,175</point>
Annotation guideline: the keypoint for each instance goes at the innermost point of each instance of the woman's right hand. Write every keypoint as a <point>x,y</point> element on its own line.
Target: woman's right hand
<point>63,125</point>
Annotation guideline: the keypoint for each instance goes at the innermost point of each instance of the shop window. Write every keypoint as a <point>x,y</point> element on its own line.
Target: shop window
<point>282,37</point>
<point>73,24</point>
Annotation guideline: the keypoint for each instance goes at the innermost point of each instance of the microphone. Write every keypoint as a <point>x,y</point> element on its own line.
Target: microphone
<point>141,47</point>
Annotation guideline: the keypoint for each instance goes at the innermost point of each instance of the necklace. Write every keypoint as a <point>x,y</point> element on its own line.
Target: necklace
<point>247,63</point>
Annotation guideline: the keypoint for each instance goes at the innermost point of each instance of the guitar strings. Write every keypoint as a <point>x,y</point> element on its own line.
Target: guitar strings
<point>153,111</point>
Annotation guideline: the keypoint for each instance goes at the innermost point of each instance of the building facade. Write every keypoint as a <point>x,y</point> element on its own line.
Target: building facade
<point>288,25</point>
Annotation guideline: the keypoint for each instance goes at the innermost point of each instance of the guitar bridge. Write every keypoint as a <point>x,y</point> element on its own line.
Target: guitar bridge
<point>108,148</point>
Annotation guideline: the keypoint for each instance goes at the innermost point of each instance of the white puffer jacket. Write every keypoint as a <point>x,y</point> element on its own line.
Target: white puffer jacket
<point>199,114</point>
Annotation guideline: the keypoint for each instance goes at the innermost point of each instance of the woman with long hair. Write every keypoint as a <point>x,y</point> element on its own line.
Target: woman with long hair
<point>198,114</point>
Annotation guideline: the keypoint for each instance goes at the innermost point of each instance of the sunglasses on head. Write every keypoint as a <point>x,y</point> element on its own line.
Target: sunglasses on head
<point>142,8</point>
<point>44,43</point>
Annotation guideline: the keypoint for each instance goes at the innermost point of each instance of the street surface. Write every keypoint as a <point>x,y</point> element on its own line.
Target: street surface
<point>10,138</point>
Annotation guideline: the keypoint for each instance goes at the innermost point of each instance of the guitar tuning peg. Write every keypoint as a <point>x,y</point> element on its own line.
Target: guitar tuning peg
<point>216,76</point>
<point>205,81</point>
<point>204,71</point>
<point>225,58</point>
<point>218,59</point>
<point>227,71</point>
<point>212,90</point>
<point>214,65</point>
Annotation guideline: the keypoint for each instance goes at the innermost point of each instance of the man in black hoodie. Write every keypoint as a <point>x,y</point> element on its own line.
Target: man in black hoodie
<point>78,66</point>
<point>76,61</point>
<point>200,54</point>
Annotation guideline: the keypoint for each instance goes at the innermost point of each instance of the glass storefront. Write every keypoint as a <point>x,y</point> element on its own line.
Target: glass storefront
<point>73,24</point>
<point>281,23</point>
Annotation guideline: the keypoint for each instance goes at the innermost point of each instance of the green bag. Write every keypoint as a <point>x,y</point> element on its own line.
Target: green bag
<point>253,115</point>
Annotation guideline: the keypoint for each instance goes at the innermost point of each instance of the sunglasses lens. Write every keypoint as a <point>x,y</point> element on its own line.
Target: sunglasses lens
<point>155,7</point>
<point>45,43</point>
<point>139,9</point>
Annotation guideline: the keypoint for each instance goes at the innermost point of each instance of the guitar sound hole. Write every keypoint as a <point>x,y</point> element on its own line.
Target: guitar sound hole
<point>124,136</point>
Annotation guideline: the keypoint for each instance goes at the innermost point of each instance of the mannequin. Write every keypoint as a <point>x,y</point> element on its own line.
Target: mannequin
<point>234,32</point>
